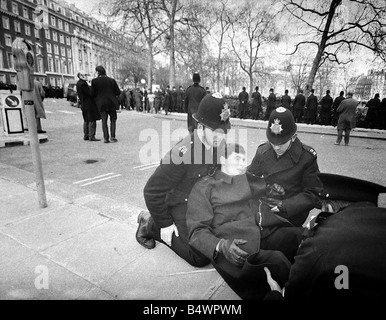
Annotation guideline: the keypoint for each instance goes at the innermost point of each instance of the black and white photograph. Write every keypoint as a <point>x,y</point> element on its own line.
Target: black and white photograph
<point>193,155</point>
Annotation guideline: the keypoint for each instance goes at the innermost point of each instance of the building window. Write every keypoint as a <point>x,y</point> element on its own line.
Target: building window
<point>70,67</point>
<point>4,4</point>
<point>59,82</point>
<point>49,48</point>
<point>60,24</point>
<point>2,78</point>
<point>53,21</point>
<point>38,49</point>
<point>37,33</point>
<point>50,65</point>
<point>69,55</point>
<point>61,38</point>
<point>10,60</point>
<point>6,23</point>
<point>54,36</point>
<point>1,60</point>
<point>56,49</point>
<point>8,40</point>
<point>13,79</point>
<point>47,33</point>
<point>25,13</point>
<point>17,26</point>
<point>57,66</point>
<point>27,30</point>
<point>15,8</point>
<point>68,41</point>
<point>64,67</point>
<point>66,26</point>
<point>40,65</point>
<point>63,51</point>
<point>52,81</point>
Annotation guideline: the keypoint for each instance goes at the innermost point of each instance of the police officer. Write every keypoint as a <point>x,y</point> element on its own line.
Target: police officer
<point>344,256</point>
<point>289,165</point>
<point>167,190</point>
<point>193,97</point>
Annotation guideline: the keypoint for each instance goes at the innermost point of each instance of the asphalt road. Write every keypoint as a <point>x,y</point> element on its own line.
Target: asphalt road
<point>120,170</point>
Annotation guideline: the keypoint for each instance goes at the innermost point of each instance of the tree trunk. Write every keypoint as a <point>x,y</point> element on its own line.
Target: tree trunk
<point>172,72</point>
<point>315,65</point>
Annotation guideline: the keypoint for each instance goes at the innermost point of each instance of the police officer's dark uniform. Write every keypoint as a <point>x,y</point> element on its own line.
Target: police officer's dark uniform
<point>167,190</point>
<point>352,239</point>
<point>297,172</point>
<point>193,97</point>
<point>243,103</point>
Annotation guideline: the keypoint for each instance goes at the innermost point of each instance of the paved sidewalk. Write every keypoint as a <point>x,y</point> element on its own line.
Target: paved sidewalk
<point>86,245</point>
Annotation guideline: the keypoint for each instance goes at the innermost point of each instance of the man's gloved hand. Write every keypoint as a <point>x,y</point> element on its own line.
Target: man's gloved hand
<point>275,191</point>
<point>232,252</point>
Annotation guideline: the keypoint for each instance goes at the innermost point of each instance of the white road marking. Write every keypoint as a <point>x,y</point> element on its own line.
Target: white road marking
<point>97,177</point>
<point>95,181</point>
<point>149,167</point>
<point>48,111</point>
<point>146,165</point>
<point>67,112</point>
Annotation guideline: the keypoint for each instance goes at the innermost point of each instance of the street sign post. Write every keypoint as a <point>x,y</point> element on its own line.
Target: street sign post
<point>24,65</point>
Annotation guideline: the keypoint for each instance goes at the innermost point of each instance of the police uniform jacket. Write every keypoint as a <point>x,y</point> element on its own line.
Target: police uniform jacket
<point>170,185</point>
<point>297,172</point>
<point>193,97</point>
<point>105,92</point>
<point>243,99</point>
<point>299,102</point>
<point>218,207</point>
<point>256,102</point>
<point>286,101</point>
<point>312,106</point>
<point>354,239</point>
<point>326,104</point>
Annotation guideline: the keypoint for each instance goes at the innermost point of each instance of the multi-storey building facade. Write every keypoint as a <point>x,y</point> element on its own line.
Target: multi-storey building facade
<point>64,39</point>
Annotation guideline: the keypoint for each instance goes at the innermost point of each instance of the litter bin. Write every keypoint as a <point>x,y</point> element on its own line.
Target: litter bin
<point>11,115</point>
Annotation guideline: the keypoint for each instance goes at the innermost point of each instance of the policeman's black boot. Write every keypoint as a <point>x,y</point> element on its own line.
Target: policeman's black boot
<point>143,235</point>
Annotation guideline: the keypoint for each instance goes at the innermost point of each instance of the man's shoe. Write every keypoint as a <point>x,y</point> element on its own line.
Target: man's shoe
<point>94,139</point>
<point>86,138</point>
<point>142,235</point>
<point>113,140</point>
<point>337,143</point>
<point>106,141</point>
<point>42,131</point>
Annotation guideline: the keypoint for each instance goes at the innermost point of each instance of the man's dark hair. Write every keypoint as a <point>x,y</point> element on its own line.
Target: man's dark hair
<point>101,71</point>
<point>341,93</point>
<point>286,91</point>
<point>244,88</point>
<point>257,88</point>
<point>328,92</point>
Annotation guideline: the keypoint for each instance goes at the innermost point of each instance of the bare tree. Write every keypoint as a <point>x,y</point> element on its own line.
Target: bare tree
<point>252,26</point>
<point>338,28</point>
<point>141,20</point>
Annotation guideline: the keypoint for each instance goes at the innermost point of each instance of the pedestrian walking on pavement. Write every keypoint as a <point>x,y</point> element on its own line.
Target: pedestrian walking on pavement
<point>39,95</point>
<point>105,92</point>
<point>347,120</point>
<point>373,113</point>
<point>167,190</point>
<point>334,108</point>
<point>89,109</point>
<point>193,96</point>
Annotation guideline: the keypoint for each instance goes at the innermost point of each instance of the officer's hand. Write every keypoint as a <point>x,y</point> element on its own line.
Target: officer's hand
<point>272,283</point>
<point>232,252</point>
<point>167,233</point>
<point>275,191</point>
<point>271,202</point>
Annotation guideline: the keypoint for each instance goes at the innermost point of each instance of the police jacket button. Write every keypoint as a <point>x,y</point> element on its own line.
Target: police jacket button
<point>186,199</point>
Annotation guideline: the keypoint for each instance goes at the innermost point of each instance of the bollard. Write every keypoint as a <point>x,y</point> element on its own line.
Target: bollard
<point>24,63</point>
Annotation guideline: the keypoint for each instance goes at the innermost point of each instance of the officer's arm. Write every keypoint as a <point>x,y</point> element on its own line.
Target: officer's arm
<point>199,217</point>
<point>308,198</point>
<point>165,178</point>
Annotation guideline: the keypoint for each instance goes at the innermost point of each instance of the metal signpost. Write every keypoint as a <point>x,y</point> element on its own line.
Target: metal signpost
<point>24,65</point>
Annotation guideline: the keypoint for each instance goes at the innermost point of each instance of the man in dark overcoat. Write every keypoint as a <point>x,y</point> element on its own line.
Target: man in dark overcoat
<point>298,107</point>
<point>105,92</point>
<point>89,109</point>
<point>325,109</point>
<point>271,104</point>
<point>193,96</point>
<point>334,108</point>
<point>257,104</point>
<point>311,108</point>
<point>243,103</point>
<point>167,190</point>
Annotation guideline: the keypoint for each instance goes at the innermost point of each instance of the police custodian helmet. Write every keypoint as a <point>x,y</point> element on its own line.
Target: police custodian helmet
<point>213,112</point>
<point>281,126</point>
